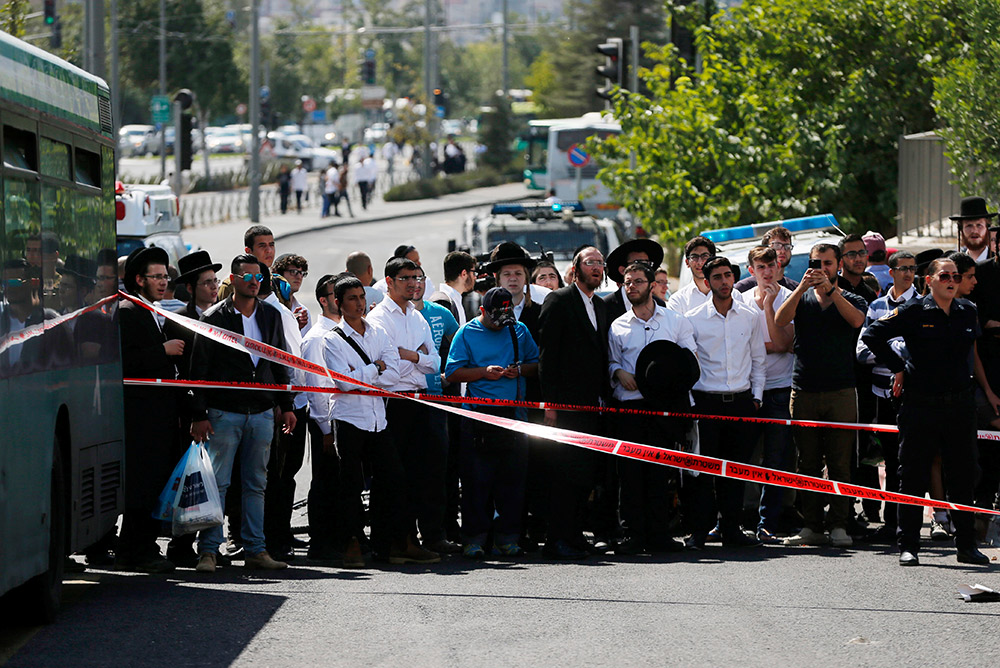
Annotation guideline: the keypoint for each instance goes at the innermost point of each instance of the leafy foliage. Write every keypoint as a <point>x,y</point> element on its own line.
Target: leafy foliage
<point>497,132</point>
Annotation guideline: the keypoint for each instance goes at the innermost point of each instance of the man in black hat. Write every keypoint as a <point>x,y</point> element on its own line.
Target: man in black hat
<point>492,353</point>
<point>151,413</point>
<point>633,250</point>
<point>511,265</point>
<point>644,500</point>
<point>973,222</point>
<point>198,273</point>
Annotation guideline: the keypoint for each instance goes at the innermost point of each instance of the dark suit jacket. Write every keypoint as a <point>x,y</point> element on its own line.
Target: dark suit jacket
<point>143,356</point>
<point>175,331</point>
<point>573,357</point>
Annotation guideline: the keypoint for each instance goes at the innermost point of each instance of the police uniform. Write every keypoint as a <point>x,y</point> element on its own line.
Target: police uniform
<point>938,413</point>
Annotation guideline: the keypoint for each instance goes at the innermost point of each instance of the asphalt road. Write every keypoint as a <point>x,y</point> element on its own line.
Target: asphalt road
<point>765,606</point>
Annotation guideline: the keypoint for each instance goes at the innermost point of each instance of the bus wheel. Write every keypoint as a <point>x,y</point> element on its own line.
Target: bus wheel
<point>43,593</point>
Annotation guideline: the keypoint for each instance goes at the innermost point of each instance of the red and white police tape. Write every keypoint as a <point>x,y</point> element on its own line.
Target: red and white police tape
<point>20,336</point>
<point>626,449</point>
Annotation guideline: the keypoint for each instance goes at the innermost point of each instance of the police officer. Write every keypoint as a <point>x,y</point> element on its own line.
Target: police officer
<point>937,415</point>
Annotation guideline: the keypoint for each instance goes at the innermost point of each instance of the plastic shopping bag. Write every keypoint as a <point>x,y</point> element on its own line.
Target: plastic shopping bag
<point>197,505</point>
<point>164,510</point>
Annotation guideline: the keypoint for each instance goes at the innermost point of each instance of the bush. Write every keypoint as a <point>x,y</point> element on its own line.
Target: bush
<point>456,183</point>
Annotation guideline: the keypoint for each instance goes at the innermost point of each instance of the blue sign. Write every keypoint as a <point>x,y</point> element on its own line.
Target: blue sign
<point>577,156</point>
<point>265,93</point>
<point>319,116</point>
<point>439,111</point>
<point>370,54</point>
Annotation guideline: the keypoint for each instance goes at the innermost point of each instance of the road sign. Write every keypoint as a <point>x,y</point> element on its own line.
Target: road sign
<point>308,105</point>
<point>319,116</point>
<point>372,97</point>
<point>161,109</point>
<point>265,93</point>
<point>241,109</point>
<point>577,156</point>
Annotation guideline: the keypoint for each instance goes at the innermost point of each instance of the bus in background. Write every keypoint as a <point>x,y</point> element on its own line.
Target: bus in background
<point>559,136</point>
<point>61,450</point>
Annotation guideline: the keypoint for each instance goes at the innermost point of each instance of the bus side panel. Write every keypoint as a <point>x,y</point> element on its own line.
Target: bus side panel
<point>24,483</point>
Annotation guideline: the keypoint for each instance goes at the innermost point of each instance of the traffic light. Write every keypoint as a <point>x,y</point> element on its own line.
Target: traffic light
<point>613,69</point>
<point>368,68</point>
<point>49,12</point>
<point>184,141</point>
<point>55,39</point>
<point>441,101</point>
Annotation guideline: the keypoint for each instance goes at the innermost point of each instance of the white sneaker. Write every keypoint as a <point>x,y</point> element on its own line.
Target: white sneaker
<point>938,531</point>
<point>840,538</point>
<point>808,537</point>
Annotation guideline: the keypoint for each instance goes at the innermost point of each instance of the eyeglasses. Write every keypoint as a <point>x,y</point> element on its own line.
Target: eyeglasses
<point>296,272</point>
<point>252,277</point>
<point>157,277</point>
<point>908,268</point>
<point>699,257</point>
<point>214,281</point>
<point>948,278</point>
<point>850,255</point>
<point>639,282</point>
<point>777,245</point>
<point>407,279</point>
<point>662,281</point>
<point>594,263</point>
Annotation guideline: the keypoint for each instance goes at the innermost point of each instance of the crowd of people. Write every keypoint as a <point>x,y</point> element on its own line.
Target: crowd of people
<point>866,336</point>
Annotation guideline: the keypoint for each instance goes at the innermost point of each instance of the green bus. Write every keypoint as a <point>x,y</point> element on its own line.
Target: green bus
<point>61,436</point>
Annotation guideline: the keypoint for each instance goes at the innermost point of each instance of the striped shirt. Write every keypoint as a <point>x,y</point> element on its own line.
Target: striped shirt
<point>881,375</point>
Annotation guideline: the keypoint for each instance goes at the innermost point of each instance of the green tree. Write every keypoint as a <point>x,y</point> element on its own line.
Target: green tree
<point>497,132</point>
<point>797,109</point>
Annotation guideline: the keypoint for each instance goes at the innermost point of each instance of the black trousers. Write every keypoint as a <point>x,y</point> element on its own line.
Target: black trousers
<point>722,498</point>
<point>391,519</point>
<point>151,434</point>
<point>279,496</point>
<point>420,436</point>
<point>575,475</point>
<point>930,425</point>
<point>645,497</point>
<point>886,411</point>
<point>323,492</point>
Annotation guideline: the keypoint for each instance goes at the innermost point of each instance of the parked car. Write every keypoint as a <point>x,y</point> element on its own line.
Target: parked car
<point>151,143</point>
<point>149,215</point>
<point>131,138</point>
<point>224,140</point>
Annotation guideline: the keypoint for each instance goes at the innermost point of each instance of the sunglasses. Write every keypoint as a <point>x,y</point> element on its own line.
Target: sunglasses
<point>948,278</point>
<point>252,277</point>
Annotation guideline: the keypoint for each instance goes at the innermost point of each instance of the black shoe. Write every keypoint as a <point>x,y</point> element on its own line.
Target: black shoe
<point>973,556</point>
<point>909,559</point>
<point>235,551</point>
<point>323,554</point>
<point>881,536</point>
<point>71,565</point>
<point>695,542</point>
<point>183,558</point>
<point>601,546</point>
<point>562,550</point>
<point>295,542</point>
<point>739,539</point>
<point>665,545</point>
<point>281,553</point>
<point>155,564</point>
<point>630,547</point>
<point>100,558</point>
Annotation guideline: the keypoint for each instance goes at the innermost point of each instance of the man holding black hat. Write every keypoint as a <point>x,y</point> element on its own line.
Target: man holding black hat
<point>633,250</point>
<point>492,353</point>
<point>973,222</point>
<point>151,414</point>
<point>648,377</point>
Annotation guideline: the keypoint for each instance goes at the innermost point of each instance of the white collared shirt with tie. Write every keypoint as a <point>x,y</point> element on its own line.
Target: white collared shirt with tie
<point>730,349</point>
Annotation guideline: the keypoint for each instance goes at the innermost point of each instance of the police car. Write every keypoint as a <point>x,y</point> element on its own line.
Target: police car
<point>149,215</point>
<point>555,229</point>
<point>735,243</point>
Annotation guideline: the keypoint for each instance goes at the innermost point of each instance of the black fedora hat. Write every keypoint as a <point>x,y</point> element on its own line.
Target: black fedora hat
<point>973,208</point>
<point>80,267</point>
<point>925,257</point>
<point>617,258</point>
<point>146,255</point>
<point>193,264</point>
<point>665,372</point>
<point>508,252</point>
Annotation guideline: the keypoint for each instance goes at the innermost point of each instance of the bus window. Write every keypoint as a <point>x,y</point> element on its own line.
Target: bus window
<point>55,159</point>
<point>88,168</point>
<point>19,148</point>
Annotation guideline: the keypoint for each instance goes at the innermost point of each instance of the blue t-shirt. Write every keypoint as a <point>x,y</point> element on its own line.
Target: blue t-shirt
<point>442,324</point>
<point>476,346</point>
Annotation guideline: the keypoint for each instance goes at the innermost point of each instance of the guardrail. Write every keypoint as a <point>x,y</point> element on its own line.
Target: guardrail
<point>209,208</point>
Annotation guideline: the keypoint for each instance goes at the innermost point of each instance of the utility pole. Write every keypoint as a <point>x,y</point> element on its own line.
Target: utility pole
<point>163,87</point>
<point>633,39</point>
<point>116,105</point>
<point>506,68</point>
<point>428,82</point>
<point>254,205</point>
<point>94,23</point>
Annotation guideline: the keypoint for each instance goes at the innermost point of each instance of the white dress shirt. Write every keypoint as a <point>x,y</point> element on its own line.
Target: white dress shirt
<point>779,365</point>
<point>456,299</point>
<point>629,334</point>
<point>293,341</point>
<point>730,349</point>
<point>588,303</point>
<point>408,329</point>
<point>320,403</point>
<point>364,412</point>
<point>538,294</point>
<point>687,298</point>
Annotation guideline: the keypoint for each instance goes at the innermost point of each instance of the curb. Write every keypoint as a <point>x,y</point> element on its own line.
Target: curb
<point>382,219</point>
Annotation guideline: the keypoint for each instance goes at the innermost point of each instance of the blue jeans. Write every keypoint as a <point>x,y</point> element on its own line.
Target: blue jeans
<point>251,435</point>
<point>779,453</point>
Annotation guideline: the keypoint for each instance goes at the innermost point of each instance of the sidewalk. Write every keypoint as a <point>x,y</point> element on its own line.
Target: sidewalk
<point>293,224</point>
